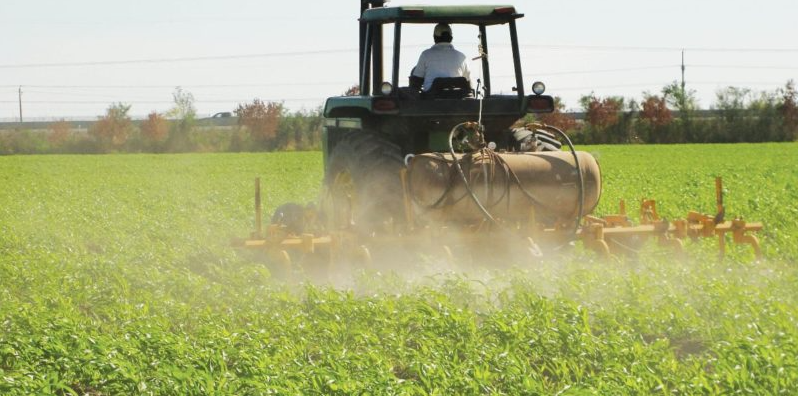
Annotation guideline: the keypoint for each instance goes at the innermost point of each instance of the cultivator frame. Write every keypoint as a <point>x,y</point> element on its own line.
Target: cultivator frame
<point>609,235</point>
<point>605,234</point>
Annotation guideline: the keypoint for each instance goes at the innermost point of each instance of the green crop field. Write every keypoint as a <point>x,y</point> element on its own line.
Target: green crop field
<point>116,278</point>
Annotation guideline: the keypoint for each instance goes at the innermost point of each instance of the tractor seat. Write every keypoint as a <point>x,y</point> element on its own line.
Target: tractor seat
<point>449,88</point>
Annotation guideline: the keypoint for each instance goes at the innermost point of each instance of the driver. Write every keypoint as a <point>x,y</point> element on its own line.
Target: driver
<point>440,60</point>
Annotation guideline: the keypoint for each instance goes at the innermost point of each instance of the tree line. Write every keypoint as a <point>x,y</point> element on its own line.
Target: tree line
<point>261,126</point>
<point>672,116</point>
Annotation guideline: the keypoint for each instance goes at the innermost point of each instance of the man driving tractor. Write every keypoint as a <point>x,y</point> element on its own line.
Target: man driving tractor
<point>440,60</point>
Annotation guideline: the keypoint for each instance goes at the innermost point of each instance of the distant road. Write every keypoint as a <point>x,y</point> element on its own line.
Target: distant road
<point>86,124</point>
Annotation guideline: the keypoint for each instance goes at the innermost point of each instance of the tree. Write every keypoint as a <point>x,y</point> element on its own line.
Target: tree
<point>113,129</point>
<point>353,90</point>
<point>261,120</point>
<point>655,111</point>
<point>184,105</point>
<point>601,115</point>
<point>155,129</point>
<point>789,111</point>
<point>59,133</point>
<point>683,100</point>
<point>655,117</point>
<point>732,125</point>
<point>185,114</point>
<point>300,130</point>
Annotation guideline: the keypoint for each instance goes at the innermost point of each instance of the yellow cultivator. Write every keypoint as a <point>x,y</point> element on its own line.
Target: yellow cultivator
<point>503,204</point>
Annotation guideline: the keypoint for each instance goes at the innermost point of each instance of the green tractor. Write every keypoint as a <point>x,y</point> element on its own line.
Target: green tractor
<point>369,138</point>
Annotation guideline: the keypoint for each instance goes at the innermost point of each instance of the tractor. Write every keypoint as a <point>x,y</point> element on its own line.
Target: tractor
<point>450,167</point>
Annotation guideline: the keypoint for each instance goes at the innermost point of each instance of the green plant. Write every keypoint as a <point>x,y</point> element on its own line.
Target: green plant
<point>116,277</point>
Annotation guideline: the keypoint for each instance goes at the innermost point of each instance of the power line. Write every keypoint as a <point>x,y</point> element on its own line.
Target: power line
<point>321,83</point>
<point>192,20</point>
<point>353,50</point>
<point>161,101</point>
<point>626,69</point>
<point>737,83</point>
<point>744,67</point>
<point>554,89</point>
<point>558,89</point>
<point>170,60</point>
<point>658,49</point>
<point>172,86</point>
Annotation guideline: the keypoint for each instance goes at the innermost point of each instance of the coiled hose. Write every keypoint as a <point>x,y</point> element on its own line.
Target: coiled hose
<point>510,176</point>
<point>581,201</point>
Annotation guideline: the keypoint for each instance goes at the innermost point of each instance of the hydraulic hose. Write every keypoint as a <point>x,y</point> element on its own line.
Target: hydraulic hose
<point>581,201</point>
<point>510,177</point>
<point>471,193</point>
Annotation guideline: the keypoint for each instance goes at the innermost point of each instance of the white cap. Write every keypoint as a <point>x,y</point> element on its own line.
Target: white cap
<point>442,29</point>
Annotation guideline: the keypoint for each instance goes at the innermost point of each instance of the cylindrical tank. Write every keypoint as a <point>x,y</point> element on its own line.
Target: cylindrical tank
<point>508,185</point>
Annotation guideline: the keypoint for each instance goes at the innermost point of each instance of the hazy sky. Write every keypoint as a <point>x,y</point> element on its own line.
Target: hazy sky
<point>303,51</point>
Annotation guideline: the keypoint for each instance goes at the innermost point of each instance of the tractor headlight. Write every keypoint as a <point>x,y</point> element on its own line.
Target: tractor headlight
<point>538,88</point>
<point>386,88</point>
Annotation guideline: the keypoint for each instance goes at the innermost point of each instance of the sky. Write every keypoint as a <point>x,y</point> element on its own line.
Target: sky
<point>74,58</point>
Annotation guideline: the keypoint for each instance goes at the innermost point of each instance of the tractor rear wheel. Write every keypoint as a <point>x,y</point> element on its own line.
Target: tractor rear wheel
<point>364,189</point>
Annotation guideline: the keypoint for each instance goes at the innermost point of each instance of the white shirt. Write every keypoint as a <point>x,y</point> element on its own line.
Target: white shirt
<point>441,60</point>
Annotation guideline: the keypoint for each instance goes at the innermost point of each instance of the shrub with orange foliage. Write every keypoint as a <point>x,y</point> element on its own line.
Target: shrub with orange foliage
<point>59,133</point>
<point>655,111</point>
<point>155,128</point>
<point>602,113</point>
<point>261,119</point>
<point>113,129</point>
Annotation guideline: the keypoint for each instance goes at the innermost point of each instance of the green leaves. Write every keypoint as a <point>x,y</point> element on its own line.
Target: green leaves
<point>116,278</point>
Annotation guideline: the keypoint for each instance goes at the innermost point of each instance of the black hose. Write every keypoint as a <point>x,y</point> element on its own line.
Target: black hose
<point>510,176</point>
<point>484,211</point>
<point>443,196</point>
<point>581,201</point>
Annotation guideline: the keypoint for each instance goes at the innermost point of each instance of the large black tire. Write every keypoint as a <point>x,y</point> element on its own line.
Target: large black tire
<point>364,189</point>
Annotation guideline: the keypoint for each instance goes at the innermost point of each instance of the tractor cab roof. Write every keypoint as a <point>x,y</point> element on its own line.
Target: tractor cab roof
<point>472,14</point>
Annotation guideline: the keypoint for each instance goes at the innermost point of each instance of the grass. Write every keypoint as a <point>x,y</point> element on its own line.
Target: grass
<point>116,278</point>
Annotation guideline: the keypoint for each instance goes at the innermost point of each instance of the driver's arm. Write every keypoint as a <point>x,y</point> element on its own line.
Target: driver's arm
<point>418,73</point>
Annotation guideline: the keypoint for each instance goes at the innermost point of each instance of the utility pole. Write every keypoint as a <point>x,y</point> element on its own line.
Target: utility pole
<point>20,104</point>
<point>682,70</point>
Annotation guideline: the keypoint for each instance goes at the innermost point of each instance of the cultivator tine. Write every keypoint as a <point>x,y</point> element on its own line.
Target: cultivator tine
<point>406,198</point>
<point>447,254</point>
<point>620,219</point>
<point>307,243</point>
<point>534,249</point>
<point>721,211</point>
<point>593,238</point>
<point>648,211</point>
<point>284,262</point>
<point>364,255</point>
<point>675,244</point>
<point>258,211</point>
<point>739,236</point>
